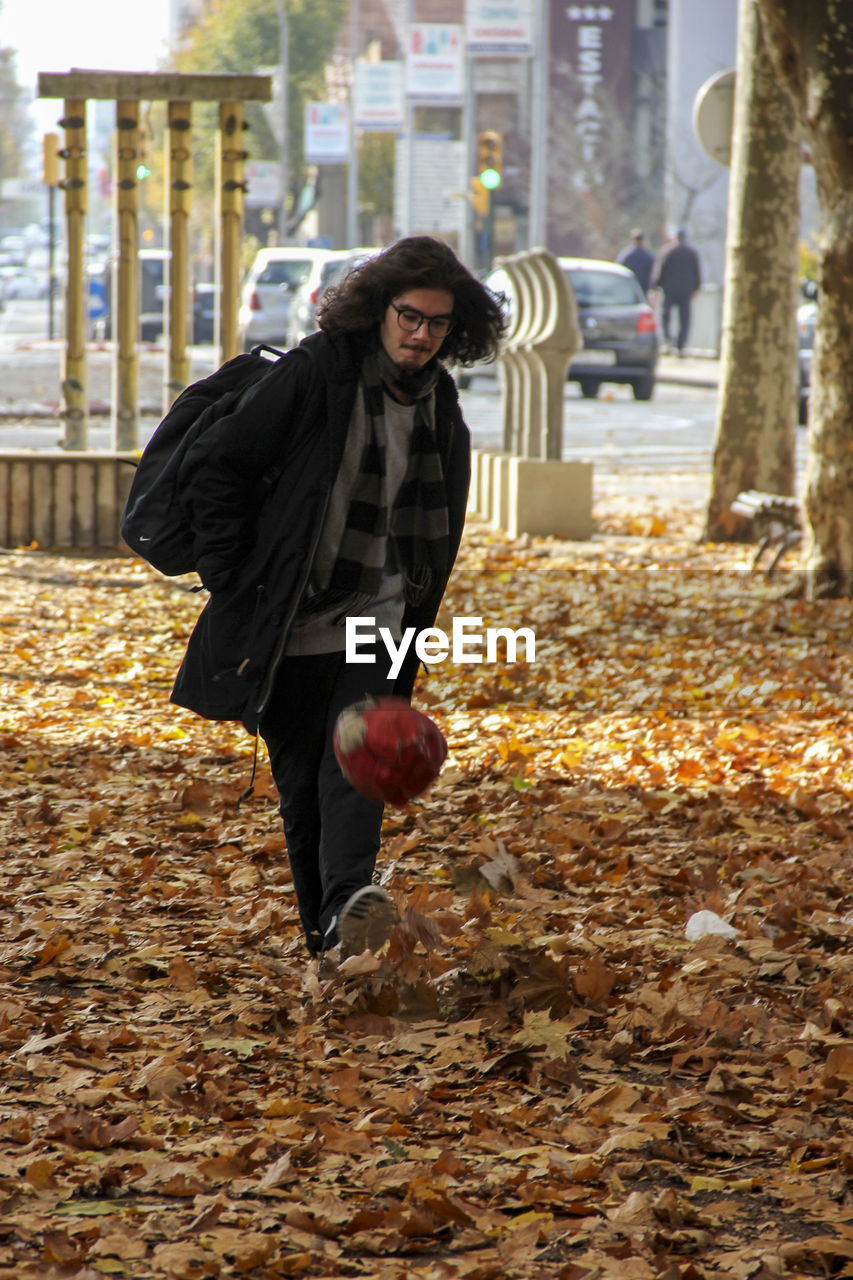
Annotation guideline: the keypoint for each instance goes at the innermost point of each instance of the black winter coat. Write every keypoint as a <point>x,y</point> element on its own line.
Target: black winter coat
<point>256,486</point>
<point>679,274</point>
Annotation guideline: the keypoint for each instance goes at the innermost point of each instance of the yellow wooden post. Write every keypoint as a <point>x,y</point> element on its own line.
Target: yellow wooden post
<point>178,196</point>
<point>127,90</point>
<point>124,292</point>
<point>230,188</point>
<point>74,379</point>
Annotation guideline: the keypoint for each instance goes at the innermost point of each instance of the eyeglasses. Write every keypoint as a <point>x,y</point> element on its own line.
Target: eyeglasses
<point>410,320</point>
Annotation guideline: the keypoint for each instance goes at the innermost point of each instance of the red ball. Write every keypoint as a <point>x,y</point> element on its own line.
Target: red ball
<point>387,750</point>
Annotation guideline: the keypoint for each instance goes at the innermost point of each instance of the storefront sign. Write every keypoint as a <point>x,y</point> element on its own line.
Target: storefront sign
<point>327,132</point>
<point>499,29</point>
<point>591,45</point>
<point>379,99</point>
<point>435,62</point>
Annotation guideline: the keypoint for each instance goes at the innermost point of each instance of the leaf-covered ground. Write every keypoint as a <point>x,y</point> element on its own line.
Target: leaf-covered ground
<point>542,1076</point>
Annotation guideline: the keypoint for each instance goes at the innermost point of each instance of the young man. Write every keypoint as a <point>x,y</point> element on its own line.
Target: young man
<point>337,489</point>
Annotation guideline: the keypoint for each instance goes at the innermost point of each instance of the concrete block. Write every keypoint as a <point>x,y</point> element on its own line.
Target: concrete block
<point>474,488</point>
<point>84,503</point>
<point>125,471</point>
<point>499,506</point>
<point>491,495</point>
<point>106,504</point>
<point>62,499</point>
<point>5,506</point>
<point>21,504</point>
<point>549,499</point>
<point>43,508</point>
<point>482,498</point>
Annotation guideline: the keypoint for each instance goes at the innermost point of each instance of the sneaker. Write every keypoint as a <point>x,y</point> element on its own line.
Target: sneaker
<point>366,920</point>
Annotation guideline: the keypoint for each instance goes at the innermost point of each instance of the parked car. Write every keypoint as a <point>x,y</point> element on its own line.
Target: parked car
<point>152,294</point>
<point>618,328</point>
<point>6,274</point>
<point>306,299</point>
<point>302,312</point>
<point>25,284</point>
<point>204,311</point>
<point>268,291</point>
<point>13,250</point>
<point>617,325</point>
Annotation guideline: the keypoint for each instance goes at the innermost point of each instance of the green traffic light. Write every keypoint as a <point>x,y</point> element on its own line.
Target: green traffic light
<point>490,179</point>
<point>142,171</point>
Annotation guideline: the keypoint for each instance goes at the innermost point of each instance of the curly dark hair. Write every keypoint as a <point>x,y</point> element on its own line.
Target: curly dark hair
<point>357,305</point>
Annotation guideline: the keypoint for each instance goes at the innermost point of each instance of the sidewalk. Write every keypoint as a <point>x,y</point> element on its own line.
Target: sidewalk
<point>31,386</point>
<point>695,369</point>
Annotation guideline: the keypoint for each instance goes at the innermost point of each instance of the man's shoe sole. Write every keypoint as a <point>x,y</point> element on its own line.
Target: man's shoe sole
<point>366,920</point>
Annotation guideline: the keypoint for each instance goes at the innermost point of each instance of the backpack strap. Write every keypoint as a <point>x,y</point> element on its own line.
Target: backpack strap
<point>251,787</point>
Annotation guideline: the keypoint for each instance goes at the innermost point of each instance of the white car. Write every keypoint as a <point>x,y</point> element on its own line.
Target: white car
<point>25,285</point>
<point>268,290</point>
<point>13,249</point>
<point>306,299</point>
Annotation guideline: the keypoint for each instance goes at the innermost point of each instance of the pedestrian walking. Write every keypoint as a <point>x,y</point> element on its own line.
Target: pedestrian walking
<point>638,258</point>
<point>338,490</point>
<point>678,277</point>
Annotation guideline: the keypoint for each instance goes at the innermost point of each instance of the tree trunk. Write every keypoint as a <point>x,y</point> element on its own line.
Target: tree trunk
<point>757,410</point>
<point>811,45</point>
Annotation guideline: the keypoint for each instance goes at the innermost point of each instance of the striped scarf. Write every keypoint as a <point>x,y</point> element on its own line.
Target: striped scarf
<point>417,525</point>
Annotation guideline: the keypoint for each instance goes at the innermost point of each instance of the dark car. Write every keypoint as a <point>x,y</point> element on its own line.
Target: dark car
<point>204,311</point>
<point>152,289</point>
<point>617,326</point>
<point>153,298</point>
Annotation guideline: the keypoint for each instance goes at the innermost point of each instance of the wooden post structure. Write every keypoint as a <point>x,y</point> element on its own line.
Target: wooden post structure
<point>178,193</point>
<point>230,187</point>
<point>128,89</point>
<point>74,380</point>
<point>124,303</point>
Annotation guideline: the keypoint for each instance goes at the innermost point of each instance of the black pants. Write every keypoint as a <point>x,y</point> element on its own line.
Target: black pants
<point>682,306</point>
<point>332,831</point>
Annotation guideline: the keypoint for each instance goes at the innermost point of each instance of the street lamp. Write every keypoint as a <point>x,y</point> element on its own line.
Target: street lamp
<point>352,173</point>
<point>282,176</point>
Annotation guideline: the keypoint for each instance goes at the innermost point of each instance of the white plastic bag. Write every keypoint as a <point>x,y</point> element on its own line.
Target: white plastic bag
<point>702,923</point>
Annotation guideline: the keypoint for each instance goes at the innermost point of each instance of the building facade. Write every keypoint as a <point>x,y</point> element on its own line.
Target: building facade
<point>613,142</point>
<point>701,42</point>
<point>600,116</point>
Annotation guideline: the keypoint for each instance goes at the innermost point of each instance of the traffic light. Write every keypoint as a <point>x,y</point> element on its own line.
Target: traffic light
<point>489,158</point>
<point>50,160</point>
<point>142,171</point>
<point>479,197</point>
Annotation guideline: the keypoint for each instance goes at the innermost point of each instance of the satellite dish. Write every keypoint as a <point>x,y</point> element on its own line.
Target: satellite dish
<point>713,115</point>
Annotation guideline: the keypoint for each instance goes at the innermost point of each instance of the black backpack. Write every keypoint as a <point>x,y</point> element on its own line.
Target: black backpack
<point>154,523</point>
